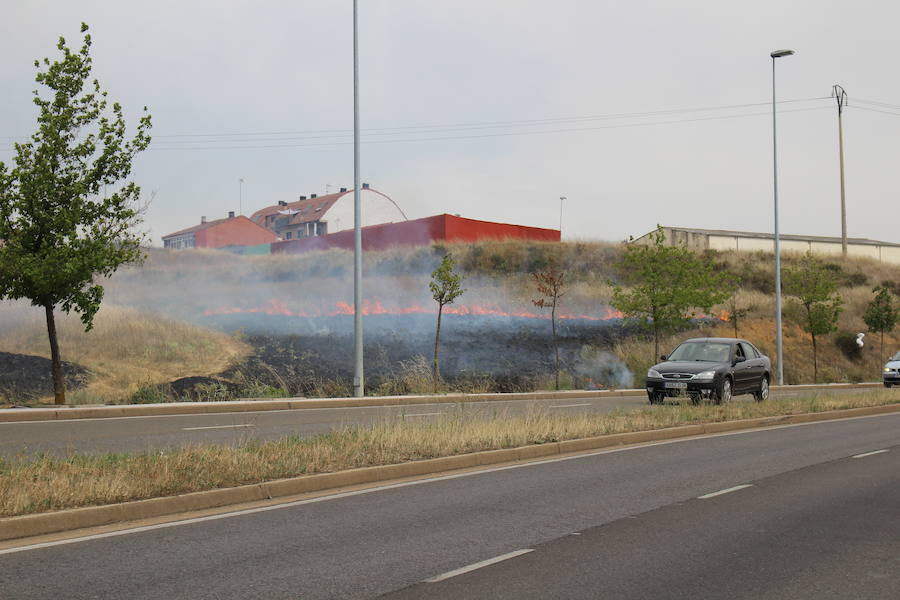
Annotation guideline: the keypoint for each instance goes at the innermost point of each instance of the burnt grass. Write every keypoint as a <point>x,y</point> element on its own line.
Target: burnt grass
<point>24,377</point>
<point>314,357</point>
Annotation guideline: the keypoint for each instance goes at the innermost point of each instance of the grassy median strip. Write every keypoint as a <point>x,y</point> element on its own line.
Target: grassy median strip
<point>46,483</point>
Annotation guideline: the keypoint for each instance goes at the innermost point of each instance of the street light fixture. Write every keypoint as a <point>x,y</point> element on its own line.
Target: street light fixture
<point>778,341</point>
<point>561,198</point>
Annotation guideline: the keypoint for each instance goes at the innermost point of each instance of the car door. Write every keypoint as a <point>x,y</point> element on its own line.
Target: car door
<point>755,366</point>
<point>742,369</point>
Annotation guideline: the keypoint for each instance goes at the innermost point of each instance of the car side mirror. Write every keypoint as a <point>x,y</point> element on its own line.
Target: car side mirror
<point>664,357</point>
<point>738,359</point>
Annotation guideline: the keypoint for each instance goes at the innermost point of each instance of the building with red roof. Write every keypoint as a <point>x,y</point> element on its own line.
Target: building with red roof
<point>231,231</point>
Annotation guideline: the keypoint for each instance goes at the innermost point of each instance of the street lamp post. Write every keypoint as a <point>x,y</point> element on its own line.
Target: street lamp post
<point>841,96</point>
<point>358,389</point>
<point>561,198</point>
<point>778,341</point>
<point>240,196</point>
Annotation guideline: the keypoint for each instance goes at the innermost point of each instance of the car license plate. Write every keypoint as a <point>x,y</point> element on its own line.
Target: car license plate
<point>676,385</point>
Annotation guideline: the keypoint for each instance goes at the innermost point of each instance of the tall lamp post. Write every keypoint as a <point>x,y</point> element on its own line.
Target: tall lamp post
<point>240,196</point>
<point>561,198</point>
<point>778,341</point>
<point>358,389</point>
<point>838,93</point>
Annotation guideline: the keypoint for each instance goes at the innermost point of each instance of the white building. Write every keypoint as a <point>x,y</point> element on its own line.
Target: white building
<point>744,241</point>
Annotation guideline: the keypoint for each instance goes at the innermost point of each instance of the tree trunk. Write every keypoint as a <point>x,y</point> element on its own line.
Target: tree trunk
<point>815,361</point>
<point>435,371</point>
<point>59,383</point>
<point>555,345</point>
<point>882,342</point>
<point>734,318</point>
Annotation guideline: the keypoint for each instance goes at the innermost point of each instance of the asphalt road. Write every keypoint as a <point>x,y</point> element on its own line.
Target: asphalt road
<point>136,434</point>
<point>815,523</point>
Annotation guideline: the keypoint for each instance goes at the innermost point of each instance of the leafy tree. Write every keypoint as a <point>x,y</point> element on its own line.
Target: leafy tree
<point>669,285</point>
<point>550,282</point>
<point>445,288</point>
<point>59,229</point>
<point>815,288</point>
<point>881,313</point>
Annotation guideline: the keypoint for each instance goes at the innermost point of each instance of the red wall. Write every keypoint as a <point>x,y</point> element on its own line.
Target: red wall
<point>239,231</point>
<point>419,232</point>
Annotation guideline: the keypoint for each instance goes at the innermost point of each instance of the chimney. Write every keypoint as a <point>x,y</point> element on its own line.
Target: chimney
<point>343,190</point>
<point>303,197</point>
<point>313,196</point>
<point>230,214</point>
<point>365,186</point>
<point>202,220</point>
<point>282,203</point>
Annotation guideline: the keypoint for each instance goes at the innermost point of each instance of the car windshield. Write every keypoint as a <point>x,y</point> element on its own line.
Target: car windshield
<point>896,356</point>
<point>702,351</point>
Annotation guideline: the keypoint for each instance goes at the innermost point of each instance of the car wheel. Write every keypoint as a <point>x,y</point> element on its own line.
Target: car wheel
<point>887,385</point>
<point>695,399</point>
<point>657,398</point>
<point>723,394</point>
<point>763,393</point>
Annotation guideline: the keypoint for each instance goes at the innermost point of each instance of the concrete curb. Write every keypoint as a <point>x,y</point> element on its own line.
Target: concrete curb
<point>93,516</point>
<point>16,415</point>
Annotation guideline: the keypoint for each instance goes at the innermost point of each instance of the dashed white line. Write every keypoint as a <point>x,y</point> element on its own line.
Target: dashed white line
<point>571,405</point>
<point>422,414</point>
<point>869,454</point>
<point>478,565</point>
<point>217,427</point>
<point>726,491</point>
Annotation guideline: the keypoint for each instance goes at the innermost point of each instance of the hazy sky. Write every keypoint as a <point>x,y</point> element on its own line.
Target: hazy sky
<point>493,109</point>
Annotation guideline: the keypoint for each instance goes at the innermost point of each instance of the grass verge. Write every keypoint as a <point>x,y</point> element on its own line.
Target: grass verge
<point>45,483</point>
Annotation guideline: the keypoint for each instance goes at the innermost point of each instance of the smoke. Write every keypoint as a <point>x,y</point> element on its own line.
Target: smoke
<point>601,368</point>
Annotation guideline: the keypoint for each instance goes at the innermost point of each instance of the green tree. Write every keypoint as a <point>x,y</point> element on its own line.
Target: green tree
<point>881,313</point>
<point>668,285</point>
<point>60,231</point>
<point>445,288</point>
<point>550,282</point>
<point>814,287</point>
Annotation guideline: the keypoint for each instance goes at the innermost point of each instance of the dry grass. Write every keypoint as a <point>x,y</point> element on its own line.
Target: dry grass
<point>125,350</point>
<point>47,483</point>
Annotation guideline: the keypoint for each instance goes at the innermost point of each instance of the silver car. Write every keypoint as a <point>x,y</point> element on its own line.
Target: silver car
<point>891,374</point>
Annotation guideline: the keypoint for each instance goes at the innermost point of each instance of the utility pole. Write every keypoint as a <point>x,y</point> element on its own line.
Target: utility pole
<point>561,198</point>
<point>358,388</point>
<point>838,93</point>
<point>240,196</point>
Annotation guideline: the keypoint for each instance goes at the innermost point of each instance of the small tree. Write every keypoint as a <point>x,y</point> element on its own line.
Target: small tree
<point>59,230</point>
<point>669,284</point>
<point>550,282</point>
<point>881,313</point>
<point>736,313</point>
<point>445,288</point>
<point>815,289</point>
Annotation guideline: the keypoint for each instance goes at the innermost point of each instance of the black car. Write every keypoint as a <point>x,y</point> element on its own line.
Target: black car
<point>715,368</point>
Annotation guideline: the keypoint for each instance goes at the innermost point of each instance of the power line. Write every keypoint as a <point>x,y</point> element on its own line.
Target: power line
<point>869,109</point>
<point>487,135</point>
<point>875,103</point>
<point>474,125</point>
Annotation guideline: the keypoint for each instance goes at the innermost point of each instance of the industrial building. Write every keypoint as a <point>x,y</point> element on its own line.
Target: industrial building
<point>420,232</point>
<point>744,241</point>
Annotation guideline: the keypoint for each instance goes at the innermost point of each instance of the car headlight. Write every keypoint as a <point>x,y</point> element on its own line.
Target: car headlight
<point>705,375</point>
<point>653,374</point>
<point>887,370</point>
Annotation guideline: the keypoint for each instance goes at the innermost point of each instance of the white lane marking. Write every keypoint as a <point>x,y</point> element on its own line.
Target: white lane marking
<point>422,414</point>
<point>250,511</point>
<point>571,405</point>
<point>869,454</point>
<point>478,565</point>
<point>726,491</point>
<point>217,427</point>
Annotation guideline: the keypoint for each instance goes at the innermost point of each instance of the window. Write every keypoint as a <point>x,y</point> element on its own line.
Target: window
<point>749,350</point>
<point>287,235</point>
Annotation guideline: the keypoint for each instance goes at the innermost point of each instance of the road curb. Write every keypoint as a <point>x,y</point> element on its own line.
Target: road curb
<point>93,516</point>
<point>18,415</point>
